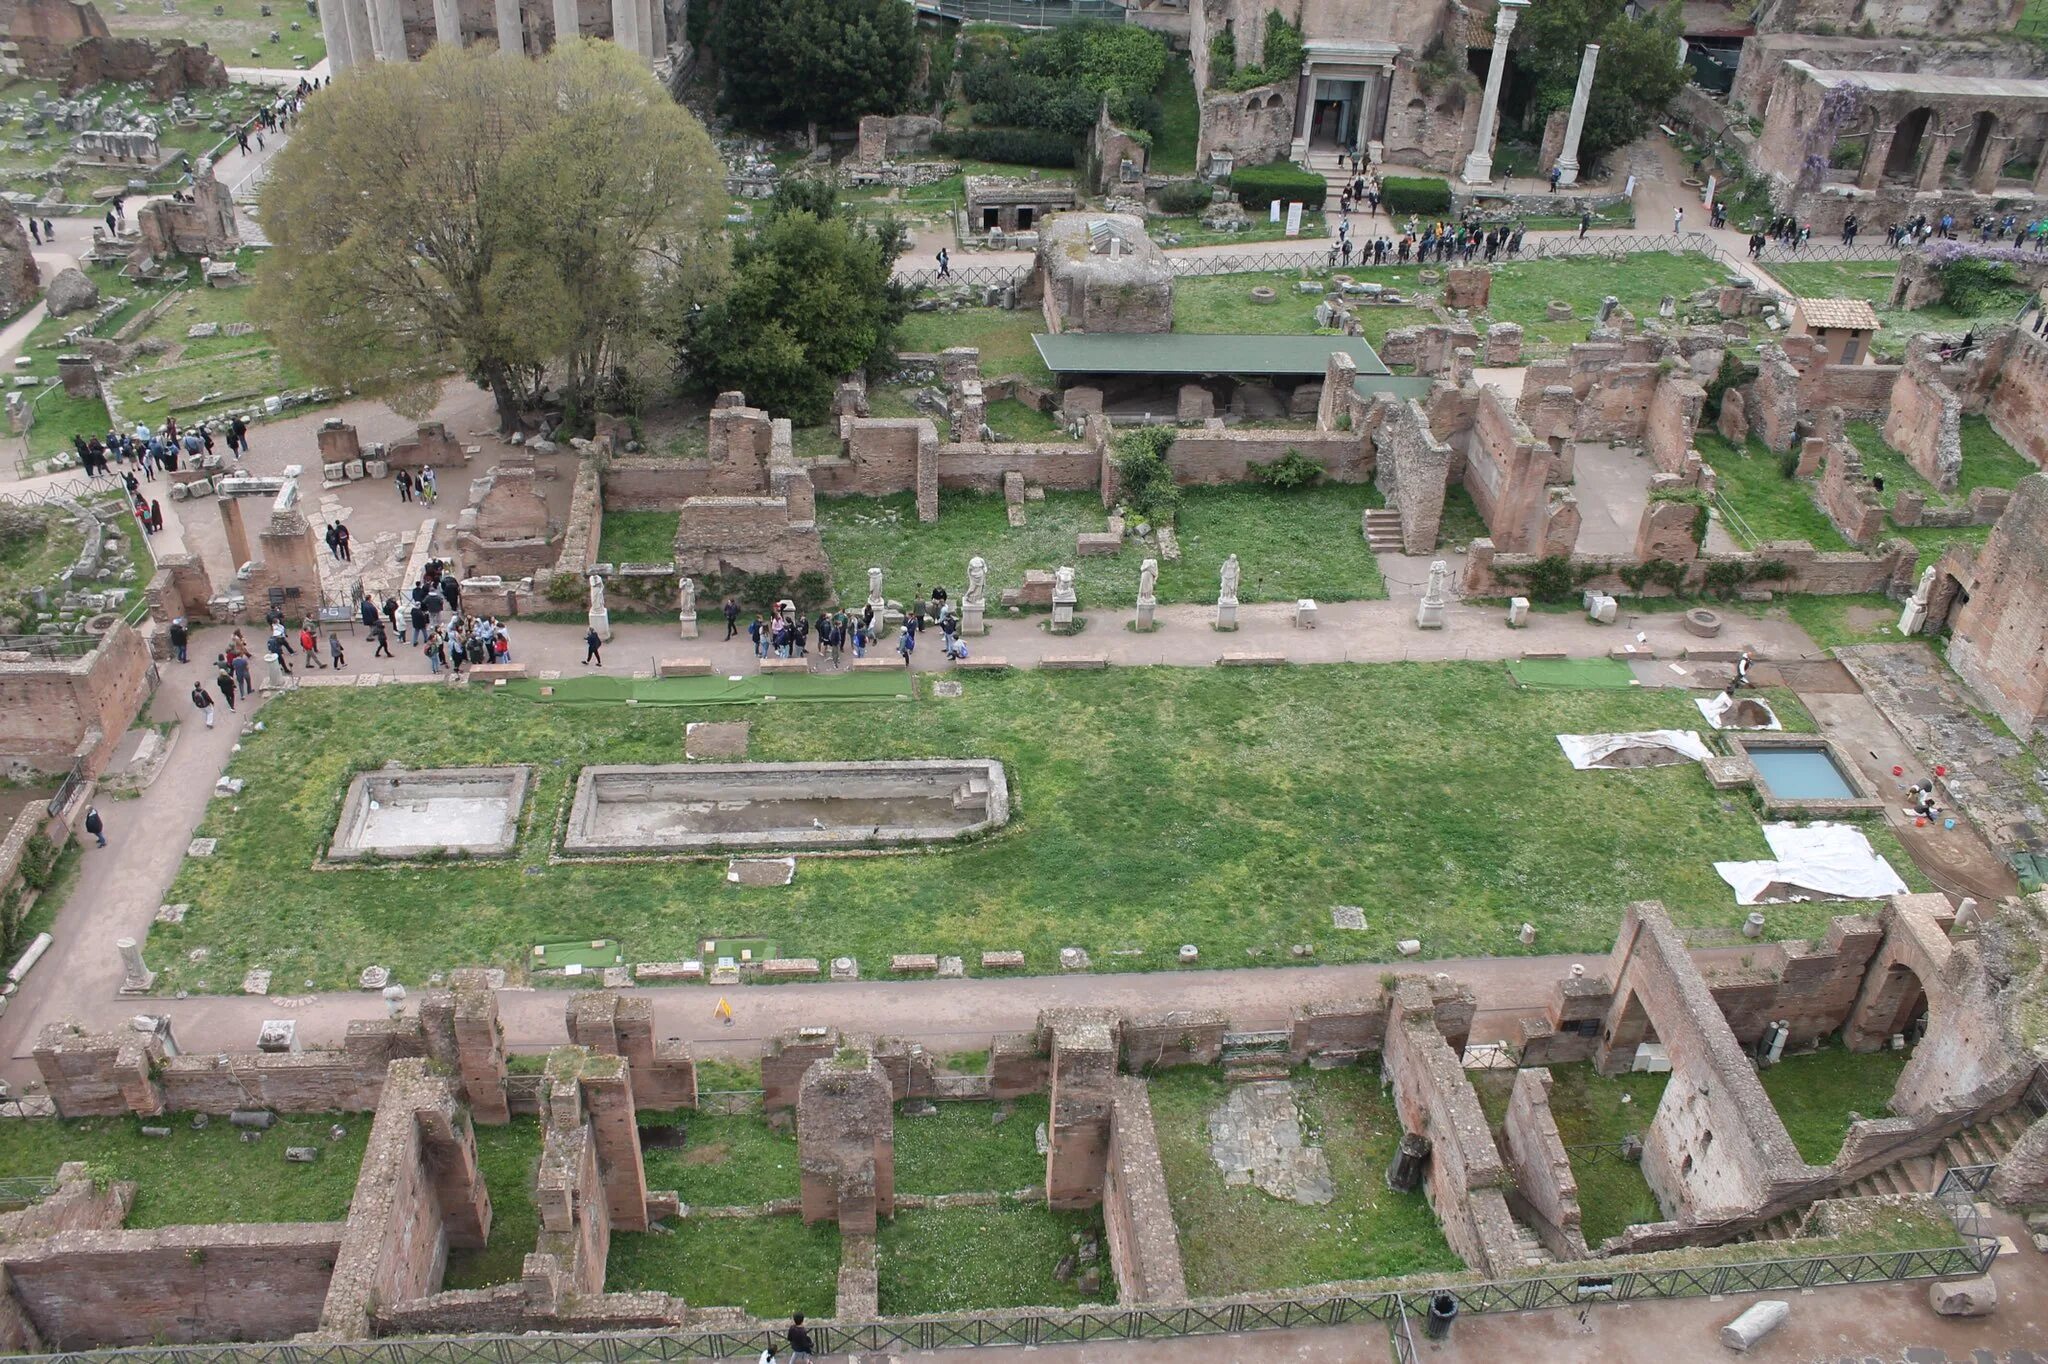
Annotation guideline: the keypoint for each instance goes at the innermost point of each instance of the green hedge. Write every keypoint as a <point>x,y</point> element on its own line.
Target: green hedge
<point>1257,186</point>
<point>1015,146</point>
<point>1185,196</point>
<point>1415,194</point>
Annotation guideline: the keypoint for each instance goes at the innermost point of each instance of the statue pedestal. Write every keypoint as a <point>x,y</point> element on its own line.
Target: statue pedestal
<point>1062,611</point>
<point>1429,614</point>
<point>1912,618</point>
<point>688,621</point>
<point>601,621</point>
<point>971,618</point>
<point>1146,606</point>
<point>1226,613</point>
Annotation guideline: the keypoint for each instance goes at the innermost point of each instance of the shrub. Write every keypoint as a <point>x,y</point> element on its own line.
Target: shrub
<point>1186,196</point>
<point>1971,285</point>
<point>1423,194</point>
<point>1291,470</point>
<point>1144,478</point>
<point>1222,57</point>
<point>565,587</point>
<point>1017,146</point>
<point>1257,186</point>
<point>1283,52</point>
<point>1553,578</point>
<point>1788,462</point>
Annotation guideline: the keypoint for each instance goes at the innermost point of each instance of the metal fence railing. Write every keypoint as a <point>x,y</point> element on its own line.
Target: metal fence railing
<point>1403,1333</point>
<point>1609,1152</point>
<point>1022,13</point>
<point>17,1191</point>
<point>1830,253</point>
<point>1957,1194</point>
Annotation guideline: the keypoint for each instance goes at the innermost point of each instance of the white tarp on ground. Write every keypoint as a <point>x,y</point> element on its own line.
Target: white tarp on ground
<point>1601,750</point>
<point>1717,706</point>
<point>1814,861</point>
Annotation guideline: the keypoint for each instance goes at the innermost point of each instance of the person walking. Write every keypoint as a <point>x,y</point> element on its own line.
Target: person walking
<point>404,482</point>
<point>1556,174</point>
<point>341,537</point>
<point>180,637</point>
<point>1585,221</point>
<point>334,658</point>
<point>419,620</point>
<point>239,661</point>
<point>391,611</point>
<point>204,701</point>
<point>908,643</point>
<point>309,644</point>
<point>799,1340</point>
<point>93,825</point>
<point>1678,220</point>
<point>592,646</point>
<point>381,640</point>
<point>732,617</point>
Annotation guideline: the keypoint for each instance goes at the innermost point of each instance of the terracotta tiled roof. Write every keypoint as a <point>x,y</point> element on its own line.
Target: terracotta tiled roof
<point>1848,313</point>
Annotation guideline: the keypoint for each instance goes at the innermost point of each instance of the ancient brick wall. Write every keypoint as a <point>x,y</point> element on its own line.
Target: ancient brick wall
<point>1668,426</point>
<point>49,710</point>
<point>747,534</point>
<point>181,587</point>
<point>1506,472</point>
<point>1926,424</point>
<point>653,483</point>
<point>430,444</point>
<point>1255,126</point>
<point>1410,468</point>
<point>95,1075</point>
<point>1774,403</point>
<point>884,453</point>
<point>1995,636</point>
<point>2018,402</point>
<point>1546,1191</point>
<point>1861,391</point>
<point>77,1204</point>
<point>1182,1037</point>
<point>1341,1028</point>
<point>1084,1056</point>
<point>846,1142</point>
<point>1137,1214</point>
<point>664,1073</point>
<point>883,138</point>
<point>1848,496</point>
<point>1665,531</point>
<point>1887,569</point>
<point>89,1290</point>
<point>1201,456</point>
<point>978,467</point>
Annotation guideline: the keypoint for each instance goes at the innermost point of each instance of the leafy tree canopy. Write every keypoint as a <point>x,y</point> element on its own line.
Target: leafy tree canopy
<point>520,220</point>
<point>1638,74</point>
<point>793,63</point>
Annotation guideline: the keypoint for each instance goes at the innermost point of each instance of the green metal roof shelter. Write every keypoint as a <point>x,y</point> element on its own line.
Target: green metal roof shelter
<point>1191,353</point>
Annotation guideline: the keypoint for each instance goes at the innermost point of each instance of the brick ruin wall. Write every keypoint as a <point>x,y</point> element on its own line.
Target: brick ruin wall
<point>1137,1214</point>
<point>53,712</point>
<point>1925,423</point>
<point>1545,1193</point>
<point>1995,637</point>
<point>1411,467</point>
<point>1848,496</point>
<point>2017,406</point>
<point>1888,569</point>
<point>1506,470</point>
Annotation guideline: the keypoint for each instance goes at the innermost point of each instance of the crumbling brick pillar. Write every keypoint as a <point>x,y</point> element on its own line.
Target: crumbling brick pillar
<point>846,1141</point>
<point>480,1048</point>
<point>236,532</point>
<point>927,473</point>
<point>1084,1052</point>
<point>96,1075</point>
<point>664,1073</point>
<point>338,442</point>
<point>448,1144</point>
<point>615,1123</point>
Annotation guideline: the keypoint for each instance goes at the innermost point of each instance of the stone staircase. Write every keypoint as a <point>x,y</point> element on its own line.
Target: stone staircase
<point>1533,1255</point>
<point>1383,531</point>
<point>1334,170</point>
<point>1982,1144</point>
<point>1251,1056</point>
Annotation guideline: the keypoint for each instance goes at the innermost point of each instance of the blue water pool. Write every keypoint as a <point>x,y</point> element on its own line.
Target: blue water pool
<point>1801,774</point>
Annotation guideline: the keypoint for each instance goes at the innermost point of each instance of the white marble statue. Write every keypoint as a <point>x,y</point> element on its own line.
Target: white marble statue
<point>874,584</point>
<point>686,596</point>
<point>1230,573</point>
<point>1926,587</point>
<point>1438,573</point>
<point>1063,582</point>
<point>596,592</point>
<point>1148,580</point>
<point>977,582</point>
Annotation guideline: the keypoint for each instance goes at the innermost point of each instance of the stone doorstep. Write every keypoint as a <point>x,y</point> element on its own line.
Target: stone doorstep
<point>1248,660</point>
<point>683,667</point>
<point>914,961</point>
<point>991,664</point>
<point>789,968</point>
<point>785,665</point>
<point>1094,543</point>
<point>496,672</point>
<point>669,970</point>
<point>878,665</point>
<point>1628,653</point>
<point>1543,655</point>
<point>1055,662</point>
<point>1002,961</point>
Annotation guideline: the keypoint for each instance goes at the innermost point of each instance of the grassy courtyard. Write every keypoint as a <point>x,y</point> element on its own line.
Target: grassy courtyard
<point>1768,505</point>
<point>770,1266</point>
<point>1594,1112</point>
<point>1815,1095</point>
<point>508,1156</point>
<point>1306,542</point>
<point>724,1161</point>
<point>971,1148</point>
<point>1151,807</point>
<point>240,33</point>
<point>206,1174</point>
<point>1236,1240</point>
<point>981,1259</point>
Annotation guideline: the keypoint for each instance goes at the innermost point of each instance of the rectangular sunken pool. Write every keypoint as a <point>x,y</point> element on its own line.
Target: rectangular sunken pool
<point>473,811</point>
<point>1801,774</point>
<point>701,807</point>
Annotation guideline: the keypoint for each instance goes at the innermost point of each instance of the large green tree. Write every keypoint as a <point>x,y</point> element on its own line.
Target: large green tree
<point>1638,74</point>
<point>815,63</point>
<point>810,300</point>
<point>520,220</point>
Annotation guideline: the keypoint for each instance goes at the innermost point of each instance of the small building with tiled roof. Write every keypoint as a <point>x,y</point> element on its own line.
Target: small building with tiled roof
<point>1841,328</point>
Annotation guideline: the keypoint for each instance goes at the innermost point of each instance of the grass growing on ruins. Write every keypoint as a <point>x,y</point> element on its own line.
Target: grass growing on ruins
<point>1988,462</point>
<point>204,1175</point>
<point>1870,281</point>
<point>1150,807</point>
<point>725,1161</point>
<point>47,545</point>
<point>1831,622</point>
<point>963,1149</point>
<point>1235,1240</point>
<point>508,1157</point>
<point>1815,1094</point>
<point>1594,1112</point>
<point>59,416</point>
<point>981,1259</point>
<point>1307,542</point>
<point>1004,338</point>
<point>1770,506</point>
<point>638,537</point>
<point>1010,418</point>
<point>770,1266</point>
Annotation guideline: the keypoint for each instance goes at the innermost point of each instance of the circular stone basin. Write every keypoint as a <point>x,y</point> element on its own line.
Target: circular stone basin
<point>1342,281</point>
<point>1557,310</point>
<point>1702,622</point>
<point>1429,277</point>
<point>100,624</point>
<point>1263,294</point>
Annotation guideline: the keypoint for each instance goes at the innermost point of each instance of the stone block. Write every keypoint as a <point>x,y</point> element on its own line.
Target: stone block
<point>786,665</point>
<point>1097,543</point>
<point>657,971</point>
<point>789,968</point>
<point>1518,612</point>
<point>1238,659</point>
<point>1976,1297</point>
<point>1002,961</point>
<point>990,664</point>
<point>1759,1321</point>
<point>1074,662</point>
<point>907,962</point>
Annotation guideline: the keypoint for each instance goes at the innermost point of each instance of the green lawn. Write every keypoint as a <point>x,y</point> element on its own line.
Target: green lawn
<point>1595,1111</point>
<point>1237,1240</point>
<point>725,1161</point>
<point>1307,542</point>
<point>1189,231</point>
<point>508,1156</point>
<point>1223,303</point>
<point>982,1259</point>
<point>1815,1094</point>
<point>208,1175</point>
<point>1870,281</point>
<point>1988,462</point>
<point>1152,807</point>
<point>962,1149</point>
<point>1003,336</point>
<point>44,159</point>
<point>1770,505</point>
<point>1831,622</point>
<point>49,544</point>
<point>233,34</point>
<point>770,1266</point>
<point>1013,420</point>
<point>638,537</point>
<point>1173,151</point>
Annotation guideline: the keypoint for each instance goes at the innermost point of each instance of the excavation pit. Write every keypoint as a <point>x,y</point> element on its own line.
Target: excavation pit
<point>444,811</point>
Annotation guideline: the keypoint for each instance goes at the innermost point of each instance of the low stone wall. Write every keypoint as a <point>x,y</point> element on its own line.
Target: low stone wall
<point>1202,456</point>
<point>1926,423</point>
<point>1889,569</point>
<point>55,711</point>
<point>1184,1037</point>
<point>1546,1193</point>
<point>1137,1214</point>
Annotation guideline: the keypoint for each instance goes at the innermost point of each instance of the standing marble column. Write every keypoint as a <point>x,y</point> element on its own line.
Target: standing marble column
<point>334,29</point>
<point>511,28</point>
<point>1479,165</point>
<point>657,29</point>
<point>1568,160</point>
<point>626,24</point>
<point>567,24</point>
<point>448,23</point>
<point>353,16</point>
<point>387,28</point>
